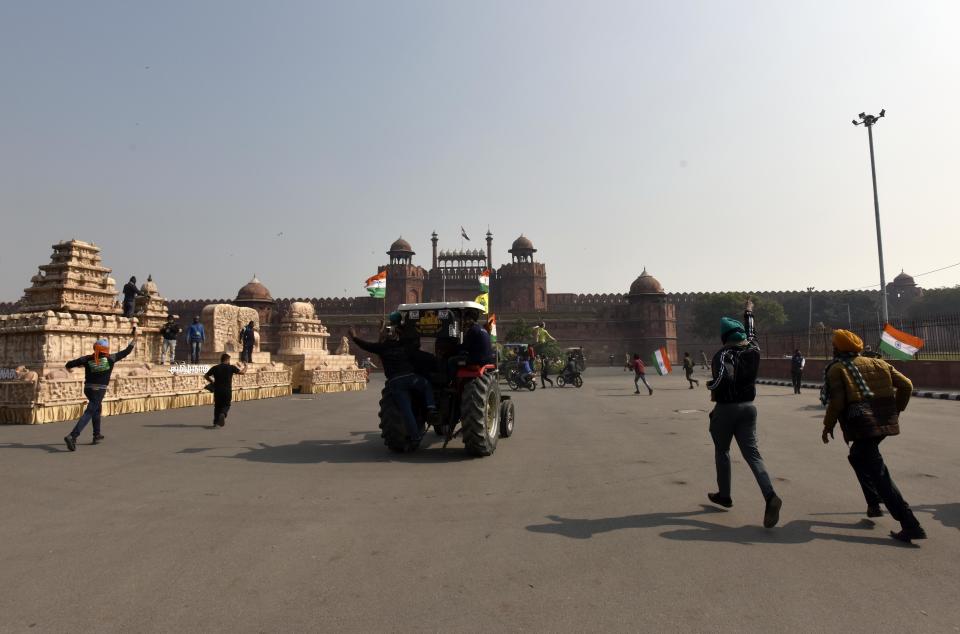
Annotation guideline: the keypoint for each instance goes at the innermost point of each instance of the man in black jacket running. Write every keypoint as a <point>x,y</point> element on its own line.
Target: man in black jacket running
<point>97,368</point>
<point>733,389</point>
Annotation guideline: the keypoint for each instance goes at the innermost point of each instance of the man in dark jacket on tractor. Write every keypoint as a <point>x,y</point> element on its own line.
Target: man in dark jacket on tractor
<point>867,395</point>
<point>396,356</point>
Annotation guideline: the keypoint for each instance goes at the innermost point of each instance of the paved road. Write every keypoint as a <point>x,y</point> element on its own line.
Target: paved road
<point>591,518</point>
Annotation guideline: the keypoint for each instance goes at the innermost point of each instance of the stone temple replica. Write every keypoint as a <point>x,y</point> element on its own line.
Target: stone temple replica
<point>72,302</point>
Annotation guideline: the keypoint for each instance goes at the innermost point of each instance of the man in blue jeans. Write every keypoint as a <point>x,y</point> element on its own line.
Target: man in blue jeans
<point>97,368</point>
<point>396,356</point>
<point>195,337</point>
<point>733,390</point>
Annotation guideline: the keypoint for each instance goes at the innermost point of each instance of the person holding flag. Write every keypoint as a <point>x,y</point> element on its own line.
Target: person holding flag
<point>867,395</point>
<point>733,389</point>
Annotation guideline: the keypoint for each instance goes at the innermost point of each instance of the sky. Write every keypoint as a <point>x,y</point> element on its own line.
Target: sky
<point>710,142</point>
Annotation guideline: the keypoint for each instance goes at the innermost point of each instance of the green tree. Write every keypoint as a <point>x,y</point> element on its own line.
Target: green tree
<point>769,313</point>
<point>936,301</point>
<point>520,332</point>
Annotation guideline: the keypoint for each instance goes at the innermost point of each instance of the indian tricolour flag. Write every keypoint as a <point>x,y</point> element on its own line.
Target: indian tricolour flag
<point>492,320</point>
<point>661,361</point>
<point>484,280</point>
<point>899,345</point>
<point>377,284</point>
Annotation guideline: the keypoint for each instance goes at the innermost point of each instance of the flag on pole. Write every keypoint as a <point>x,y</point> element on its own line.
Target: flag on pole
<point>377,285</point>
<point>463,233</point>
<point>483,300</point>
<point>492,321</point>
<point>485,281</point>
<point>661,361</point>
<point>899,345</point>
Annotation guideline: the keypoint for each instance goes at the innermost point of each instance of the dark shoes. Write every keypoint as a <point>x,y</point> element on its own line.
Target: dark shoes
<point>906,535</point>
<point>651,391</point>
<point>97,439</point>
<point>71,442</point>
<point>771,515</point>
<point>220,421</point>
<point>874,511</point>
<point>637,392</point>
<point>716,498</point>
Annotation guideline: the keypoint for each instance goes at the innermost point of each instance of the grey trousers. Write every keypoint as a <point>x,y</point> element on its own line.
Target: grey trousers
<point>737,420</point>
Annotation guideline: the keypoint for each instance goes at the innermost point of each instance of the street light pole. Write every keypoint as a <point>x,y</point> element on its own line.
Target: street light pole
<point>809,319</point>
<point>868,120</point>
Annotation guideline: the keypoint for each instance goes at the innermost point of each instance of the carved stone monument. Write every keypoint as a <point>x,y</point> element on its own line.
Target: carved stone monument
<point>223,324</point>
<point>303,346</point>
<point>71,303</point>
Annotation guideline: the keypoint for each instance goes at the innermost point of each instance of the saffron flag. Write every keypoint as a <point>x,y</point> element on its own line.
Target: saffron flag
<point>899,345</point>
<point>484,300</point>
<point>661,361</point>
<point>377,284</point>
<point>492,327</point>
<point>485,280</point>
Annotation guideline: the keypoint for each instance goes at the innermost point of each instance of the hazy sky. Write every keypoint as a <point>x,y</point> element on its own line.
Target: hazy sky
<point>710,141</point>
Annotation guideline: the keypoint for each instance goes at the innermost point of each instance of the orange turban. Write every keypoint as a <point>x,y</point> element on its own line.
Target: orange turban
<point>846,341</point>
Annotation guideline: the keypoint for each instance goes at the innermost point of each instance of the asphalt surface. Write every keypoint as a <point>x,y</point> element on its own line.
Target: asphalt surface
<point>592,517</point>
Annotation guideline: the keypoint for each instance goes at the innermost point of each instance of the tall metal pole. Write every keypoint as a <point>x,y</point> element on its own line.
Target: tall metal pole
<point>869,120</point>
<point>809,319</point>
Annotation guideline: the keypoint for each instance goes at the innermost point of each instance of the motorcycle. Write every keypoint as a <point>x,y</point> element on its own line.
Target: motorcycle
<point>518,381</point>
<point>569,377</point>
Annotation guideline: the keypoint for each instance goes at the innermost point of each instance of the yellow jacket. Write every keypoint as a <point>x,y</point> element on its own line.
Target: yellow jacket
<point>884,380</point>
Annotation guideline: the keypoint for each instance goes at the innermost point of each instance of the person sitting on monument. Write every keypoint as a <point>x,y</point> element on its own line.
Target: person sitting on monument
<point>396,357</point>
<point>97,368</point>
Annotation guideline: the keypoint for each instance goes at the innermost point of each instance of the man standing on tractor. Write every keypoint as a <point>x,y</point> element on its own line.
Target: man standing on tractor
<point>396,357</point>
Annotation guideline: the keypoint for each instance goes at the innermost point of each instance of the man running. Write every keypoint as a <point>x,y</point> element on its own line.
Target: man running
<point>639,374</point>
<point>688,370</point>
<point>97,368</point>
<point>221,378</point>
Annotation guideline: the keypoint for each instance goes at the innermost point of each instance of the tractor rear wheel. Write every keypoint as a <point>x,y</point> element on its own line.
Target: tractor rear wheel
<point>507,417</point>
<point>480,415</point>
<point>393,428</point>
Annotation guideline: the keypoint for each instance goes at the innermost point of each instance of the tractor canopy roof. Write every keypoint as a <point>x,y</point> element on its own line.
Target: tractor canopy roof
<point>438,319</point>
<point>441,306</point>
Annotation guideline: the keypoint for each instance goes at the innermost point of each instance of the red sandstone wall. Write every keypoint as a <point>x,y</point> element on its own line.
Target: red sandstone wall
<point>944,375</point>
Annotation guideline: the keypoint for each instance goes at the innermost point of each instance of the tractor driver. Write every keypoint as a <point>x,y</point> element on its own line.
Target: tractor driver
<point>476,348</point>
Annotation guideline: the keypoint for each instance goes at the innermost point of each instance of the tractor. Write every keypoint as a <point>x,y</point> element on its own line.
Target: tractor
<point>468,399</point>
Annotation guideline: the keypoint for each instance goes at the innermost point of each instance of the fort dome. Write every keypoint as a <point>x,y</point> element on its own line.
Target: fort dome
<point>400,246</point>
<point>646,284</point>
<point>254,290</point>
<point>521,244</point>
<point>904,279</point>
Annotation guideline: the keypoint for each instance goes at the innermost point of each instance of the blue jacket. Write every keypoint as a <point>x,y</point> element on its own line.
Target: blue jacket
<point>195,333</point>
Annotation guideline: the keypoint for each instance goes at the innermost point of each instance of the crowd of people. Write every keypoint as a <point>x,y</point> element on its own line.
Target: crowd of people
<point>861,392</point>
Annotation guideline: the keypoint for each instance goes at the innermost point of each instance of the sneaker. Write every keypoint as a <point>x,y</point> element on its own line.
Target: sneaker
<point>716,498</point>
<point>651,391</point>
<point>907,534</point>
<point>771,515</point>
<point>874,511</point>
<point>637,392</point>
<point>97,438</point>
<point>71,442</point>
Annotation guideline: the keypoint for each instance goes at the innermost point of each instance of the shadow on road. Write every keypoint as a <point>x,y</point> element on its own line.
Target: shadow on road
<point>696,529</point>
<point>181,426</point>
<point>47,448</point>
<point>369,449</point>
<point>946,514</point>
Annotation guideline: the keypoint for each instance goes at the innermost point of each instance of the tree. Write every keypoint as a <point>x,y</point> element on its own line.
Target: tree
<point>936,301</point>
<point>520,332</point>
<point>708,310</point>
